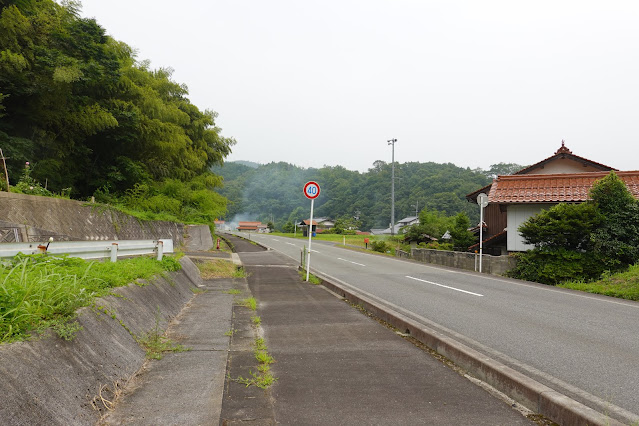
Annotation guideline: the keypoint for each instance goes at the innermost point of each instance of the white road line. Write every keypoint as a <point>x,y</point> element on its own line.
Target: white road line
<point>315,251</point>
<point>445,286</point>
<point>350,261</point>
<point>291,244</point>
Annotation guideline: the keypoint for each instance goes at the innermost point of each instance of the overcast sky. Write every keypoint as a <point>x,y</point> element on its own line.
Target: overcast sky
<point>470,82</point>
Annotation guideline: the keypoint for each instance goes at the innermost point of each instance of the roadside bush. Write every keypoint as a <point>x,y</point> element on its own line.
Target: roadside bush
<point>554,266</point>
<point>379,246</point>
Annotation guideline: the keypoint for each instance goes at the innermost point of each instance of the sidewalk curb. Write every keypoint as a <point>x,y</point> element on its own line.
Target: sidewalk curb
<point>532,394</point>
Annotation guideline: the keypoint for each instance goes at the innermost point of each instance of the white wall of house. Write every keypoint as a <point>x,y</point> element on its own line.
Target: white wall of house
<point>516,215</point>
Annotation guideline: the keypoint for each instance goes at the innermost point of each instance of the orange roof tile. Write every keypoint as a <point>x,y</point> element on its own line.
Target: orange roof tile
<point>573,187</point>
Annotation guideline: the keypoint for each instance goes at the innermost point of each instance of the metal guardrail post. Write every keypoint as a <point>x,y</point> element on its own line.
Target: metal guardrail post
<point>160,247</point>
<point>114,252</point>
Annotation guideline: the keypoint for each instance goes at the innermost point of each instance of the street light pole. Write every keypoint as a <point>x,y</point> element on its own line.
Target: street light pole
<point>392,143</point>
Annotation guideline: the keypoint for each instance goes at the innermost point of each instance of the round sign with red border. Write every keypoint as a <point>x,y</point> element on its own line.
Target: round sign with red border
<point>311,190</point>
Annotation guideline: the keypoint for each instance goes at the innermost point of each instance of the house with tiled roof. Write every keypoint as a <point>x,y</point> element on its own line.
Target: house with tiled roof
<point>562,177</point>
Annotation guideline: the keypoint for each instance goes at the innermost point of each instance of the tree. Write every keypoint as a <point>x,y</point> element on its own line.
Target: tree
<point>462,237</point>
<point>288,227</point>
<point>617,239</point>
<point>563,225</point>
<point>502,169</point>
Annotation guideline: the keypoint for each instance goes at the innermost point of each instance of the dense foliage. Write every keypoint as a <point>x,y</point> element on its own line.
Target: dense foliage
<point>580,242</point>
<point>275,190</point>
<point>88,117</point>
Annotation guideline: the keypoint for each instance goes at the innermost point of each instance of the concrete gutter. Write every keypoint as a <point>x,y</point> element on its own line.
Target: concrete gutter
<point>532,394</point>
<point>57,382</point>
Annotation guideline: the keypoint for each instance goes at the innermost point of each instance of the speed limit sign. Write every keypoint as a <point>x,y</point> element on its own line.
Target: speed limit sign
<point>312,190</point>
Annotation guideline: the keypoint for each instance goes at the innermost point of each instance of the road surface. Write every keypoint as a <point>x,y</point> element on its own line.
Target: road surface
<point>585,346</point>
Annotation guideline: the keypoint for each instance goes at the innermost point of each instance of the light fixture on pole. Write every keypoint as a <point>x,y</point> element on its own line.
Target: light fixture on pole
<point>392,143</point>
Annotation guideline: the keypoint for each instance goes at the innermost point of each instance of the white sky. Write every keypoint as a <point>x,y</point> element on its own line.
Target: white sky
<point>469,82</point>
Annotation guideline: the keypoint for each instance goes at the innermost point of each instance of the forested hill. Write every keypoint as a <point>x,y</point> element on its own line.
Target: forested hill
<point>274,191</point>
<point>81,116</point>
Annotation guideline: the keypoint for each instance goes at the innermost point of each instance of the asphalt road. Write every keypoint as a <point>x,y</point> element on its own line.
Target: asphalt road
<point>585,346</point>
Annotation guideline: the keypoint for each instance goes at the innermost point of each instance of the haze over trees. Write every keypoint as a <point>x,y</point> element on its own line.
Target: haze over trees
<point>275,190</point>
<point>91,119</point>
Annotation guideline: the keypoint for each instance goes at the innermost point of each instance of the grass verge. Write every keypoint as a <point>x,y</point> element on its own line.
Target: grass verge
<point>39,291</point>
<point>220,268</point>
<point>624,285</point>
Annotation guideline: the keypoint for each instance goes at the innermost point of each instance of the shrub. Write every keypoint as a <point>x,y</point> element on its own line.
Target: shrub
<point>554,266</point>
<point>379,246</point>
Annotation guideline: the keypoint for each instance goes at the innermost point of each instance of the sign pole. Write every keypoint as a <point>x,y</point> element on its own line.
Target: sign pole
<point>311,191</point>
<point>481,236</point>
<point>482,200</point>
<point>310,234</point>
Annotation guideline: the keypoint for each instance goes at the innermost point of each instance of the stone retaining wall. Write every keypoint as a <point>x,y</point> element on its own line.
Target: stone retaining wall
<point>495,265</point>
<point>39,218</point>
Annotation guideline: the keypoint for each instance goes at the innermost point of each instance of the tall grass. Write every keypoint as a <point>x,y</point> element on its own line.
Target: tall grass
<point>624,285</point>
<point>40,291</point>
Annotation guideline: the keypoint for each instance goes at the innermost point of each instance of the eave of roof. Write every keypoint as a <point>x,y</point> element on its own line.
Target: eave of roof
<point>555,188</point>
<point>564,152</point>
<point>492,240</point>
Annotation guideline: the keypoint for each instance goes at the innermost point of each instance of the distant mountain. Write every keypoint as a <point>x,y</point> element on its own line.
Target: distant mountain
<point>274,191</point>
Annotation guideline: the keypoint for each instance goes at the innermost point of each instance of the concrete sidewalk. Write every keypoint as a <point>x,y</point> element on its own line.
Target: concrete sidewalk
<point>184,388</point>
<point>336,365</point>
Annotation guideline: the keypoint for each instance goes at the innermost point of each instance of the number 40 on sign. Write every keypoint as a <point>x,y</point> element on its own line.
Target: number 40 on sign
<point>311,190</point>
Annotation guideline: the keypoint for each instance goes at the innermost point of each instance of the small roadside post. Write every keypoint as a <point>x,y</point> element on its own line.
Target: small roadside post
<point>482,200</point>
<point>311,191</point>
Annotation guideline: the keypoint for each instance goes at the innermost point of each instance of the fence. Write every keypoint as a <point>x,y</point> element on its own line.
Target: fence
<point>92,249</point>
<point>495,265</point>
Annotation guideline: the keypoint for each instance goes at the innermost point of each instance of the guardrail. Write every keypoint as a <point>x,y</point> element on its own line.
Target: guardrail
<point>92,249</point>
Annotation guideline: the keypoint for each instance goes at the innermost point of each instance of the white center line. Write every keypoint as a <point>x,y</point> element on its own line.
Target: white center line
<point>445,286</point>
<point>290,244</point>
<point>315,251</point>
<point>350,261</point>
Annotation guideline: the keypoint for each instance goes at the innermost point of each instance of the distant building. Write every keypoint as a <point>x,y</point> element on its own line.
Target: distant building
<point>221,225</point>
<point>249,226</point>
<point>407,221</point>
<point>304,225</point>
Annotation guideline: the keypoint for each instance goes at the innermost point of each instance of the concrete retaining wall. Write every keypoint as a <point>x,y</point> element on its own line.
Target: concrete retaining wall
<point>42,217</point>
<point>495,265</point>
<point>56,382</point>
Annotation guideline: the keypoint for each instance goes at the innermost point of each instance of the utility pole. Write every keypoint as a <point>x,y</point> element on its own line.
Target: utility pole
<point>392,143</point>
<point>416,205</point>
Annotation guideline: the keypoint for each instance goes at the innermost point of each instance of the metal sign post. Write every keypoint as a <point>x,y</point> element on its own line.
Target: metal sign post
<point>482,200</point>
<point>312,191</point>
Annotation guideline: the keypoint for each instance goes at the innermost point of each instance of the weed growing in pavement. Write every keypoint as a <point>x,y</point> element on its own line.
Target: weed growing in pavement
<point>263,378</point>
<point>250,303</point>
<point>230,333</point>
<point>311,278</point>
<point>233,291</point>
<point>155,343</point>
<point>256,320</point>
<point>220,268</point>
